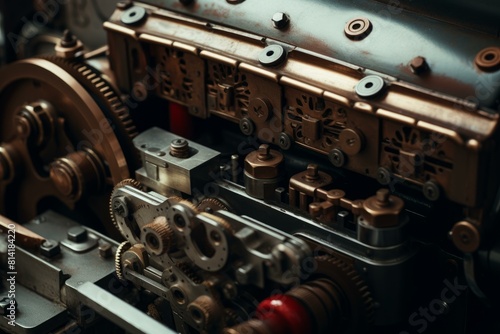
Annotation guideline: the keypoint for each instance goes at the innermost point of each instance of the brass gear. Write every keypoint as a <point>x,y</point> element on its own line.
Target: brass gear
<point>122,248</point>
<point>84,104</point>
<point>127,182</point>
<point>110,103</point>
<point>157,236</point>
<point>356,292</point>
<point>211,205</point>
<point>190,273</point>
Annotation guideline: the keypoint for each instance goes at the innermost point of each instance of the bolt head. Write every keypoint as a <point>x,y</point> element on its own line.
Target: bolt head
<point>418,65</point>
<point>280,20</point>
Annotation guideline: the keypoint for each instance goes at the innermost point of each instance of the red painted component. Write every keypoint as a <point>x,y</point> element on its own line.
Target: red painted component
<point>284,315</point>
<point>181,122</point>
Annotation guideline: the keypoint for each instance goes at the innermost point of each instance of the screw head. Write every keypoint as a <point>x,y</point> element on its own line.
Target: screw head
<point>431,191</point>
<point>280,20</point>
<point>337,158</point>
<point>246,126</point>
<point>284,141</point>
<point>384,176</point>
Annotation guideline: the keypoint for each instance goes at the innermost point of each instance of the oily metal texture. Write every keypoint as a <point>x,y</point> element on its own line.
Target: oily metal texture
<point>398,35</point>
<point>80,124</point>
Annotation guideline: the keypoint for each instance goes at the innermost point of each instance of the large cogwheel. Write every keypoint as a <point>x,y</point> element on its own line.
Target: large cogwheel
<point>357,294</point>
<point>117,113</point>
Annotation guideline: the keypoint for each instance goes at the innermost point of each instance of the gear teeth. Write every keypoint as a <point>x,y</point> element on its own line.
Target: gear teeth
<point>118,111</point>
<point>163,232</point>
<point>221,221</point>
<point>349,272</point>
<point>122,248</point>
<point>127,182</point>
<point>212,203</point>
<point>190,273</point>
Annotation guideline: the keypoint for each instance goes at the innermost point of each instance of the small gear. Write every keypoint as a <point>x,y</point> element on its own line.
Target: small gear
<point>158,236</point>
<point>190,273</point>
<point>127,182</point>
<point>344,275</point>
<point>211,205</point>
<point>122,248</point>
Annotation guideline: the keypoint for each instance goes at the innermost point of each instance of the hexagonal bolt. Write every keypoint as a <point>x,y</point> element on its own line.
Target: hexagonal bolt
<point>50,248</point>
<point>105,250</point>
<point>418,65</point>
<point>280,20</point>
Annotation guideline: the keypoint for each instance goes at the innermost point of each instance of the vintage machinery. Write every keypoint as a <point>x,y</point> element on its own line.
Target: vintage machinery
<point>250,167</point>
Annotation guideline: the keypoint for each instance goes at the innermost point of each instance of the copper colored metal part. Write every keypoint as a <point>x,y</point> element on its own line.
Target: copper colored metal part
<point>23,236</point>
<point>305,185</point>
<point>466,236</point>
<point>78,173</point>
<point>488,59</point>
<point>418,65</point>
<point>179,148</point>
<point>78,123</point>
<point>383,210</point>
<point>157,236</point>
<point>358,28</point>
<point>312,102</point>
<point>264,163</point>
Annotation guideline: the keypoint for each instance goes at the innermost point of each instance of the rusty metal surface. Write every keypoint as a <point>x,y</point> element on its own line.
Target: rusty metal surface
<point>397,37</point>
<point>321,103</point>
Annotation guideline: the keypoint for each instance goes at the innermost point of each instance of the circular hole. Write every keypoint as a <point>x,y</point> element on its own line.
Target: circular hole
<point>179,221</point>
<point>196,314</point>
<point>179,296</point>
<point>489,56</point>
<point>133,14</point>
<point>369,85</point>
<point>153,241</point>
<point>269,53</point>
<point>215,236</point>
<point>356,26</point>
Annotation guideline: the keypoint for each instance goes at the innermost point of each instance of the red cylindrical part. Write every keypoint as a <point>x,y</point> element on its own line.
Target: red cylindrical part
<point>284,315</point>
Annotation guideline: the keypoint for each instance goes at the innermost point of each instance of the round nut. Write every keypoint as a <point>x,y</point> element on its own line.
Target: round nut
<point>358,28</point>
<point>466,236</point>
<point>488,59</point>
<point>267,168</point>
